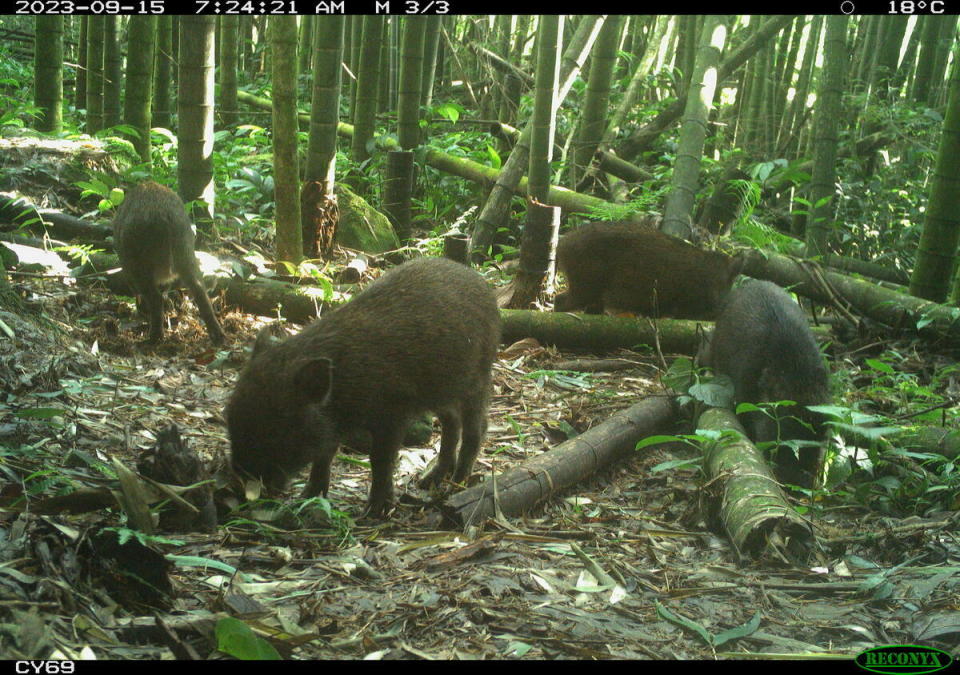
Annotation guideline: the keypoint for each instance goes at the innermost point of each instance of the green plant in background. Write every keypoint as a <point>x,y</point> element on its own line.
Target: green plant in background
<point>906,395</point>
<point>106,188</point>
<point>877,465</point>
<point>643,202</point>
<point>16,91</point>
<point>758,235</point>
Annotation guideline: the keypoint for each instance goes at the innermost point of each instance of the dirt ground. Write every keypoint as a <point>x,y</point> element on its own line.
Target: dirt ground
<point>621,567</point>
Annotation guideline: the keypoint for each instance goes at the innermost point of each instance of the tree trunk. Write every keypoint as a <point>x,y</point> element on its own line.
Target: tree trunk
<point>351,56</point>
<point>945,40</point>
<point>868,57</point>
<point>908,65</point>
<point>928,49</point>
<point>538,255</point>
<point>785,74</point>
<point>397,191</point>
<point>826,136</point>
<point>430,75</point>
<point>642,139</point>
<point>48,69</point>
<point>594,113</point>
<point>411,74</point>
<point>286,167</point>
<point>305,46</point>
<point>538,244</point>
<point>246,47</point>
<point>137,98</point>
<point>686,172</point>
<point>630,96</point>
<point>319,214</point>
<point>229,33</point>
<point>497,203</point>
<point>95,73</point>
<point>164,70</point>
<point>568,200</point>
<point>384,102</point>
<point>195,115</point>
<point>112,72</point>
<point>80,88</point>
<point>366,97</point>
<point>888,54</point>
<point>936,258</point>
<point>797,113</point>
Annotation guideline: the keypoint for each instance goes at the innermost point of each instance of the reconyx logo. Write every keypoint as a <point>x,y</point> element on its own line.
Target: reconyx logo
<point>903,659</point>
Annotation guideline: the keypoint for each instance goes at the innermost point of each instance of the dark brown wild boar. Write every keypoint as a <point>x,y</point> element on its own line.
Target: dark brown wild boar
<point>421,338</point>
<point>154,240</point>
<point>619,266</point>
<point>763,343</point>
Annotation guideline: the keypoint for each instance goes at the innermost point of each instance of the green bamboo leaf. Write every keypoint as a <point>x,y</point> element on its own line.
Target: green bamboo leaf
<point>235,638</point>
<point>197,561</point>
<point>683,622</point>
<point>655,440</point>
<point>740,631</point>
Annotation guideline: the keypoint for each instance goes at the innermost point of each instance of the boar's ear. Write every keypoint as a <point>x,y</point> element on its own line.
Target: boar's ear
<point>314,377</point>
<point>265,340</point>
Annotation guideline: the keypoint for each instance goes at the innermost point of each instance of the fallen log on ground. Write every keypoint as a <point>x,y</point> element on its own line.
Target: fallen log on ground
<point>743,499</point>
<point>598,332</point>
<point>864,268</point>
<point>300,303</point>
<point>943,441</point>
<point>266,297</point>
<point>867,269</point>
<point>19,212</point>
<point>797,249</point>
<point>897,310</point>
<point>64,226</point>
<point>216,272</point>
<point>519,489</point>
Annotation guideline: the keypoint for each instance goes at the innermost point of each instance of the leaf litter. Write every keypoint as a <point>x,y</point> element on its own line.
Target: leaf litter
<point>622,567</point>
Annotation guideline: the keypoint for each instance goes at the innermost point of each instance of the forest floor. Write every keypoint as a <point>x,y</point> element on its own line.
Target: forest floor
<point>345,587</point>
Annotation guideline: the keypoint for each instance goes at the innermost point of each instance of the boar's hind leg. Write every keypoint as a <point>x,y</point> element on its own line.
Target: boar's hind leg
<point>449,438</point>
<point>383,457</point>
<point>474,427</point>
<point>151,303</point>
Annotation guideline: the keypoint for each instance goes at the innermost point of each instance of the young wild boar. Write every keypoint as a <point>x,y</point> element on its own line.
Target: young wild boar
<point>154,240</point>
<point>763,343</point>
<point>421,338</point>
<point>619,266</point>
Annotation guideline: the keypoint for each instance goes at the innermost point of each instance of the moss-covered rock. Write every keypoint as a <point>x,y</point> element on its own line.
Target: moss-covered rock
<point>361,226</point>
